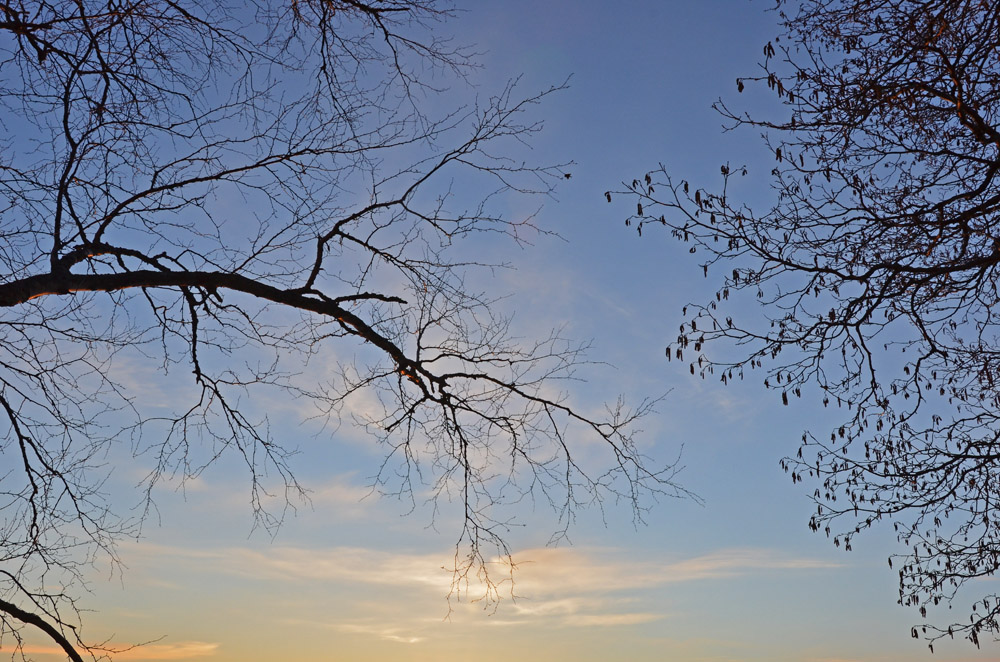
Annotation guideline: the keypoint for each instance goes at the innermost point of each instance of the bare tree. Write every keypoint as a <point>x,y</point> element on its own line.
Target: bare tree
<point>232,191</point>
<point>876,269</point>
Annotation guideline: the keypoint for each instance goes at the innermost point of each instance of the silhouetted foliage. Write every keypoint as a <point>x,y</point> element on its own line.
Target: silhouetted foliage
<point>876,269</point>
<point>229,192</point>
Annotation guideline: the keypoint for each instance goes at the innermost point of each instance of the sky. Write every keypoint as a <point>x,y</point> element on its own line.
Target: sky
<point>735,575</point>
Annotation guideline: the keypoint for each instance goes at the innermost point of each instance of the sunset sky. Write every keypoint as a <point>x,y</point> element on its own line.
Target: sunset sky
<point>738,577</point>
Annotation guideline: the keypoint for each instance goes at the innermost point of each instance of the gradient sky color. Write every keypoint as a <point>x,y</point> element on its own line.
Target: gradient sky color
<point>357,578</point>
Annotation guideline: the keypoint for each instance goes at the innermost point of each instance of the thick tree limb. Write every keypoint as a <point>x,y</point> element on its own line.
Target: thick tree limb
<point>43,625</point>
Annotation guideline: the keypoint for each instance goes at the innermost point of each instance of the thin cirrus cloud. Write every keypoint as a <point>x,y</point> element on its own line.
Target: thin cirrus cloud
<point>394,634</point>
<point>555,587</point>
<point>564,570</point>
<point>182,650</point>
<point>561,588</point>
<point>545,570</point>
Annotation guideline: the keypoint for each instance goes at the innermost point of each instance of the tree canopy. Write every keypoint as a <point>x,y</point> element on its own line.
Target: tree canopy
<point>876,270</point>
<point>229,192</point>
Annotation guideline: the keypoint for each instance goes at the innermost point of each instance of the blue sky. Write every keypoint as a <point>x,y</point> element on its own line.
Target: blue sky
<point>739,577</point>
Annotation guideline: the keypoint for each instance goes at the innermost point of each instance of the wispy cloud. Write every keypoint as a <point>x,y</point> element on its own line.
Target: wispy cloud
<point>353,564</point>
<point>179,651</point>
<point>398,635</point>
<point>545,571</point>
<point>341,492</point>
<point>411,633</point>
<point>563,588</point>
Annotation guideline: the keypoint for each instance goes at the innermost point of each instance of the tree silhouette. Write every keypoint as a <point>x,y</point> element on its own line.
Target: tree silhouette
<point>876,269</point>
<point>231,192</point>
